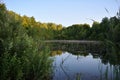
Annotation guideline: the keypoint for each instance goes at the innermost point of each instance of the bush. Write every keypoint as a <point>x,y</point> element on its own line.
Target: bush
<point>20,56</point>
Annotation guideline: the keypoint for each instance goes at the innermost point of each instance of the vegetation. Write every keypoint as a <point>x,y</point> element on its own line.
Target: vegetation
<point>22,55</point>
<point>108,29</point>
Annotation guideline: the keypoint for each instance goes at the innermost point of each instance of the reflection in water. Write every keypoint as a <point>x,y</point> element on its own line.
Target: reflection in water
<point>57,52</point>
<point>88,62</point>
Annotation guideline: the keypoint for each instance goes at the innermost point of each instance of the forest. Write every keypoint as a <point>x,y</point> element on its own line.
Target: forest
<point>22,51</point>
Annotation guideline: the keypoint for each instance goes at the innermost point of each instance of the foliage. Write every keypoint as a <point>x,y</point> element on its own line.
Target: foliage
<point>107,31</point>
<point>20,55</point>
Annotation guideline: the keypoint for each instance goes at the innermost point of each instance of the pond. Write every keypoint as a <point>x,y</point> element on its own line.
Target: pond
<point>84,62</point>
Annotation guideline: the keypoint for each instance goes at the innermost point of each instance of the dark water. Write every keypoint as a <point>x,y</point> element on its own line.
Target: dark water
<point>84,62</point>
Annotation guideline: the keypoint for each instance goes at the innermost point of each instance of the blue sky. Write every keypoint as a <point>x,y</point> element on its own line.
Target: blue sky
<point>65,12</point>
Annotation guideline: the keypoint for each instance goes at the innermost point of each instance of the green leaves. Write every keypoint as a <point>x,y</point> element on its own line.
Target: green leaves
<point>20,56</point>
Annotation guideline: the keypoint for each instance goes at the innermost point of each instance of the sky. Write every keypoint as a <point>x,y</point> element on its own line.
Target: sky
<point>65,12</point>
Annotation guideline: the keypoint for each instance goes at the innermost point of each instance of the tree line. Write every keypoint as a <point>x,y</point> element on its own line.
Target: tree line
<point>107,29</point>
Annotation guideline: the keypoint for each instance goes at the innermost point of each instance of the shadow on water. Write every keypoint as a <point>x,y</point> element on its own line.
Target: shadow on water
<point>85,62</point>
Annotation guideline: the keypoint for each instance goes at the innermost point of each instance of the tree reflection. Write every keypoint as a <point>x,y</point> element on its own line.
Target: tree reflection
<point>56,52</point>
<point>109,57</point>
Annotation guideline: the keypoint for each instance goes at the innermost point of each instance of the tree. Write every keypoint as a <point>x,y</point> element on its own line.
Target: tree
<point>95,31</point>
<point>116,33</point>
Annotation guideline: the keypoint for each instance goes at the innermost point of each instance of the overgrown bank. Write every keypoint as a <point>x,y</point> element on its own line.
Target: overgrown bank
<point>21,57</point>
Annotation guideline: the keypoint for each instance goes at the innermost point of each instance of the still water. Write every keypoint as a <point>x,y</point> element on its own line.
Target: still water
<point>83,64</point>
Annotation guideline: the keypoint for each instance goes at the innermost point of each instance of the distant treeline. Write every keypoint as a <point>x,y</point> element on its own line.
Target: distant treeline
<point>107,29</point>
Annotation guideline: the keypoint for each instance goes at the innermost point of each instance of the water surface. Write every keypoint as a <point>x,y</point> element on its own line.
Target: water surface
<point>78,63</point>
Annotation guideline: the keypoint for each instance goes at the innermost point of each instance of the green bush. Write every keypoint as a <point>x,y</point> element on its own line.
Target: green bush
<point>20,56</point>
